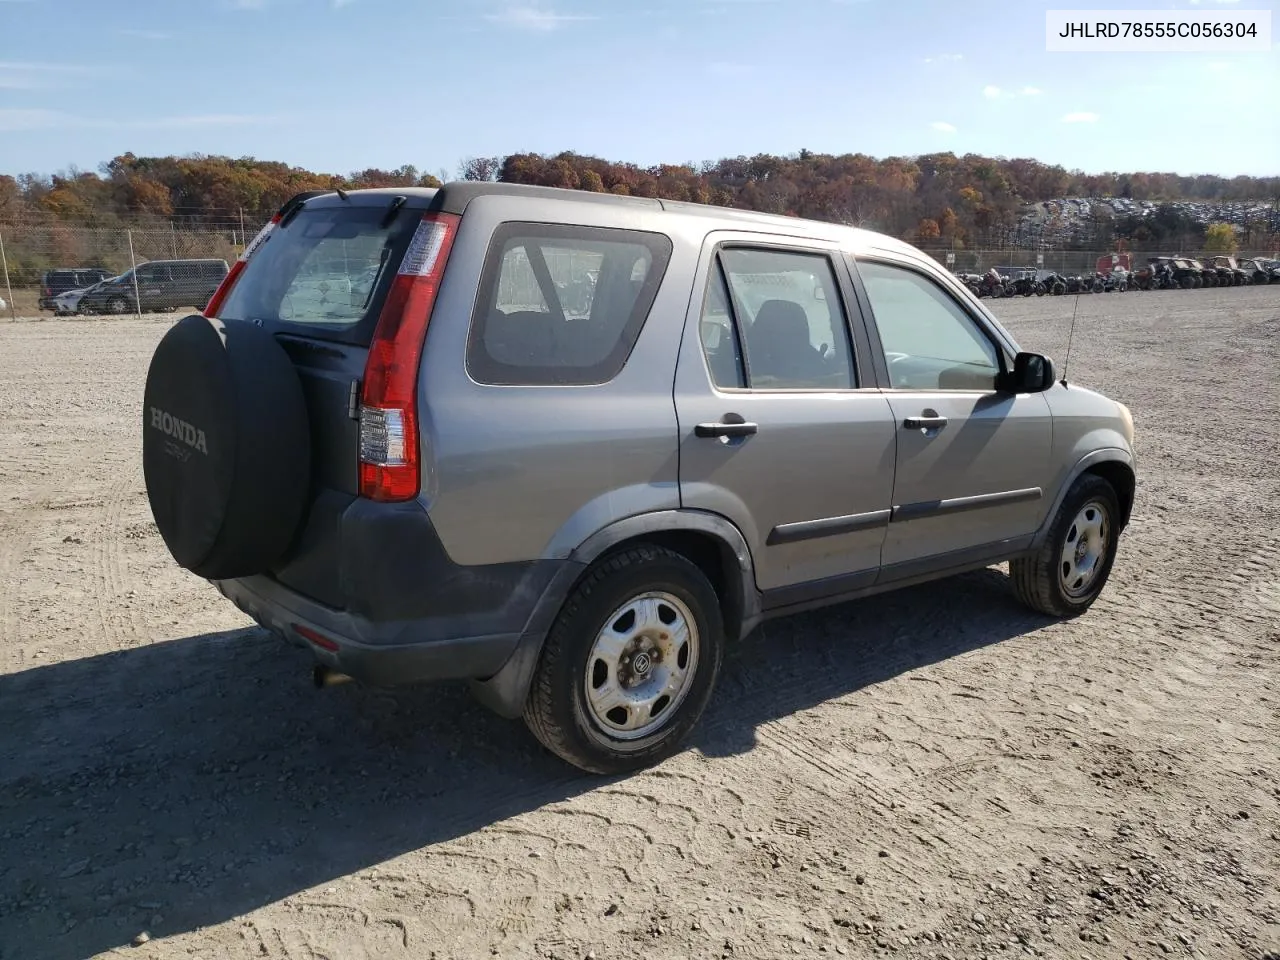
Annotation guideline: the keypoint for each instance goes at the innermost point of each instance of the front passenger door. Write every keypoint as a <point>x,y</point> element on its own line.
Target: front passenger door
<point>973,461</point>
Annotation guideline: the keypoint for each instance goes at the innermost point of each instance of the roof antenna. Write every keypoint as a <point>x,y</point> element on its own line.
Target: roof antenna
<point>1070,337</point>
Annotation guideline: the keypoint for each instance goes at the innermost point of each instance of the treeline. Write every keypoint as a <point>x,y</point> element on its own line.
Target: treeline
<point>934,197</point>
<point>187,191</point>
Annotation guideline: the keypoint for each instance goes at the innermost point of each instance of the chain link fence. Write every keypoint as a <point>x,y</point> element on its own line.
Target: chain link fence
<point>42,263</point>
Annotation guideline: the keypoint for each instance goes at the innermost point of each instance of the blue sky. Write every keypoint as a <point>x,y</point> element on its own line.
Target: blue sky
<point>340,85</point>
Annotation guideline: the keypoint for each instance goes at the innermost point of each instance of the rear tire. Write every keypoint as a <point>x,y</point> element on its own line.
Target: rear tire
<point>630,663</point>
<point>1065,576</point>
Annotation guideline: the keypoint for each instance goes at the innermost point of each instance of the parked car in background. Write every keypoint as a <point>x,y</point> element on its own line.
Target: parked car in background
<point>68,304</point>
<point>1223,275</point>
<point>1223,261</point>
<point>160,285</point>
<point>59,281</point>
<point>1254,271</point>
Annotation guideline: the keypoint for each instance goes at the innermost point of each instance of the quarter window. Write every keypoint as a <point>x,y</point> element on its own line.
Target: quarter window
<point>930,342</point>
<point>561,304</point>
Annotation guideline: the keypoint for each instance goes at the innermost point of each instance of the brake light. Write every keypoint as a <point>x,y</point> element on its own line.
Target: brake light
<point>237,268</point>
<point>390,463</point>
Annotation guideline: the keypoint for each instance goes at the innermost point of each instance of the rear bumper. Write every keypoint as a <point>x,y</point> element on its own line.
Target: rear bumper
<point>375,581</point>
<point>380,654</point>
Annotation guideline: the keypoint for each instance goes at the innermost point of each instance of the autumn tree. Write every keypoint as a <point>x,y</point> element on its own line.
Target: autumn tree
<point>1220,238</point>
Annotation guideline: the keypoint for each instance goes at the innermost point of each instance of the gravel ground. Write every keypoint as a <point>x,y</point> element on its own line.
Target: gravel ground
<point>932,773</point>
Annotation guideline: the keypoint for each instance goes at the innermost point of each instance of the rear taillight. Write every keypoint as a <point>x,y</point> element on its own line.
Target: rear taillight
<point>237,268</point>
<point>390,462</point>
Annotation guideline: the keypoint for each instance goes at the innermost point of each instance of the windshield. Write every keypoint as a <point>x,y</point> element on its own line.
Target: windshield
<point>324,272</point>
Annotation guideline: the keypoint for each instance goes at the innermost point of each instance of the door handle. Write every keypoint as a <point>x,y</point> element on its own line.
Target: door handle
<point>925,423</point>
<point>723,429</point>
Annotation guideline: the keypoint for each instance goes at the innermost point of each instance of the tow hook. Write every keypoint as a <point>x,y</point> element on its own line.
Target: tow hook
<point>323,676</point>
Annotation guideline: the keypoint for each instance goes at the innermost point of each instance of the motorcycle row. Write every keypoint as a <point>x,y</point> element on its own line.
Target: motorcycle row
<point>1161,273</point>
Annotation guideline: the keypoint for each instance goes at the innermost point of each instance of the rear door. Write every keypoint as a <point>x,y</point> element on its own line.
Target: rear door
<point>782,428</point>
<point>318,283</point>
<point>973,462</point>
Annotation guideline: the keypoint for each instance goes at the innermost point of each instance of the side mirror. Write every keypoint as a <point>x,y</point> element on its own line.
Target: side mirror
<point>1032,373</point>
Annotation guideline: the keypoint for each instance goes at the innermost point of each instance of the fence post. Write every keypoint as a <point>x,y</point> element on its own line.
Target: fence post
<point>133,267</point>
<point>13,307</point>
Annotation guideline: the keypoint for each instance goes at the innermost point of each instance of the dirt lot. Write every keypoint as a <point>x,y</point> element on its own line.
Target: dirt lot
<point>930,773</point>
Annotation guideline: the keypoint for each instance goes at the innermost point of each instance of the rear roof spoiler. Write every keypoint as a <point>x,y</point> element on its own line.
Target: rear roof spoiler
<point>294,203</point>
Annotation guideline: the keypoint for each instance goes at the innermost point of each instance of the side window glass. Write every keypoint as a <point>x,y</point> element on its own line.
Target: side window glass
<point>794,335</point>
<point>719,335</point>
<point>930,342</point>
<point>563,305</point>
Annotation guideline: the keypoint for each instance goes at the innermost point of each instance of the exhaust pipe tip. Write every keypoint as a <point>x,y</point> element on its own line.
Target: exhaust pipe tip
<point>323,676</point>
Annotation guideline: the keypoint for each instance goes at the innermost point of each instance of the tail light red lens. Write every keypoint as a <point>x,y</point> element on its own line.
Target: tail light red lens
<point>237,268</point>
<point>390,461</point>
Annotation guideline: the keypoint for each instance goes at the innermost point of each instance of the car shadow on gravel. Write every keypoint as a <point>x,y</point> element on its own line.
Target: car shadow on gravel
<point>184,783</point>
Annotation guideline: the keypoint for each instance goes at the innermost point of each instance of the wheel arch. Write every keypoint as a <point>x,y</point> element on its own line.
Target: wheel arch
<point>1113,464</point>
<point>708,540</point>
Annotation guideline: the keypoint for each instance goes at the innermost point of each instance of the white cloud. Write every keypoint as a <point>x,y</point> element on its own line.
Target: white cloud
<point>1217,1</point>
<point>943,126</point>
<point>339,4</point>
<point>945,58</point>
<point>992,92</point>
<point>35,74</point>
<point>533,19</point>
<point>1082,117</point>
<point>12,119</point>
<point>249,4</point>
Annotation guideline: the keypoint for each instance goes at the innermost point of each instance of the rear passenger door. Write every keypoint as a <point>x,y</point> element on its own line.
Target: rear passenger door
<point>782,429</point>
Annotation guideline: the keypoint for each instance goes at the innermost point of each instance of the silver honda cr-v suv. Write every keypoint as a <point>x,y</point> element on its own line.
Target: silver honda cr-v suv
<point>570,445</point>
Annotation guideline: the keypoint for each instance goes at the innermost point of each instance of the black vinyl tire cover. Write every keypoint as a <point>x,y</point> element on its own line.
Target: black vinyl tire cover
<point>226,447</point>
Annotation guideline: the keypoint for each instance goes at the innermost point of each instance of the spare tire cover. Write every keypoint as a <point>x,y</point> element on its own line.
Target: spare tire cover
<point>226,449</point>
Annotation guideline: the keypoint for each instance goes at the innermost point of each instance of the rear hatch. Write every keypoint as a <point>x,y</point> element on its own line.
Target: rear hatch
<point>318,282</point>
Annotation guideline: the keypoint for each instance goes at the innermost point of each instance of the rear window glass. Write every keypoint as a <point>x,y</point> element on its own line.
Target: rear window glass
<point>324,272</point>
<point>563,304</point>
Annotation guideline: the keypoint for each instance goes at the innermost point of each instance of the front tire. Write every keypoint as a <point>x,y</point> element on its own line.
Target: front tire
<point>117,305</point>
<point>630,663</point>
<point>1065,576</point>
